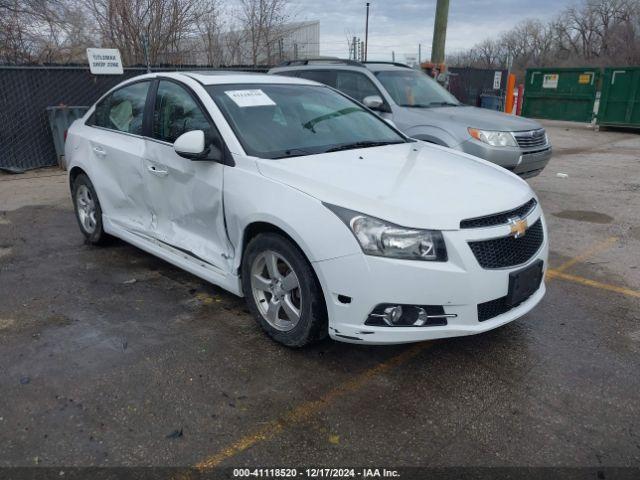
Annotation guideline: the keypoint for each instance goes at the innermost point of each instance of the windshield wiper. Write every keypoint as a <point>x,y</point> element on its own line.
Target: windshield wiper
<point>444,104</point>
<point>345,111</point>
<point>365,144</point>
<point>431,104</point>
<point>295,152</point>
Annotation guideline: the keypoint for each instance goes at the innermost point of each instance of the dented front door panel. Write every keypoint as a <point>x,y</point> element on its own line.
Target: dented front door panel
<point>184,200</point>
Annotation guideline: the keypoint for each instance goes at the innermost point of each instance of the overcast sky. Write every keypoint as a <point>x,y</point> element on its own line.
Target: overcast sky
<point>401,25</point>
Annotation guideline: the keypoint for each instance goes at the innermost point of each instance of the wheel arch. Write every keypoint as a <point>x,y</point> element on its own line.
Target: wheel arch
<point>73,174</point>
<point>253,229</point>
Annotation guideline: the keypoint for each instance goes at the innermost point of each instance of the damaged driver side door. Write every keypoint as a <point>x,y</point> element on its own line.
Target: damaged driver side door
<point>184,197</point>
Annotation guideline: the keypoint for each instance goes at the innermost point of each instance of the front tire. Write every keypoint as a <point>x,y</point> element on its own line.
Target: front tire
<point>88,210</point>
<point>282,291</point>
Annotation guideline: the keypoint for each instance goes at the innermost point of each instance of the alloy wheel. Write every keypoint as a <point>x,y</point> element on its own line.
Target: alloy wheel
<point>86,206</point>
<point>276,290</point>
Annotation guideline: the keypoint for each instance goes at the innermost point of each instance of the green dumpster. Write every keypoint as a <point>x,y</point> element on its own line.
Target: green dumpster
<point>620,99</point>
<point>561,93</point>
<point>60,119</point>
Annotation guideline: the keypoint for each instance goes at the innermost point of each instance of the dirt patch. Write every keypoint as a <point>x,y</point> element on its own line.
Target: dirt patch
<point>6,323</point>
<point>58,320</point>
<point>5,251</point>
<point>635,233</point>
<point>584,216</point>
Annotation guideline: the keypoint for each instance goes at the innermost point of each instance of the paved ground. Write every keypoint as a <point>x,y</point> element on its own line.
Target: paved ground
<point>168,370</point>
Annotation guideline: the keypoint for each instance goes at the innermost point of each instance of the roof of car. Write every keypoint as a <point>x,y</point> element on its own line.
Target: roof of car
<point>337,63</point>
<point>219,77</point>
<point>377,67</point>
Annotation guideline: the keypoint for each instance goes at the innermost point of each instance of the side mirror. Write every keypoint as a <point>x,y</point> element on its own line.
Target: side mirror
<point>191,145</point>
<point>374,102</point>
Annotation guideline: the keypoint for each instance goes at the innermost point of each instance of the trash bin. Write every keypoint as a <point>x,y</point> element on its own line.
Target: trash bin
<point>491,102</point>
<point>60,119</point>
<point>620,101</point>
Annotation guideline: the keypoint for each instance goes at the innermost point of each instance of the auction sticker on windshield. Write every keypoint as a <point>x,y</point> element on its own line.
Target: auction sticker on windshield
<point>250,98</point>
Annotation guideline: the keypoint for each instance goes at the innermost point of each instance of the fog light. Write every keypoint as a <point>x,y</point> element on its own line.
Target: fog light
<point>422,317</point>
<point>392,315</point>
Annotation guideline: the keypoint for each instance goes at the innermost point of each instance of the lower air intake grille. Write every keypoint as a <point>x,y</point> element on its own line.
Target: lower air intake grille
<point>508,251</point>
<point>492,308</point>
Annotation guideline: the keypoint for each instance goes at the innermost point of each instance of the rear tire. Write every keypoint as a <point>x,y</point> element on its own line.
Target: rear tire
<point>88,211</point>
<point>283,292</point>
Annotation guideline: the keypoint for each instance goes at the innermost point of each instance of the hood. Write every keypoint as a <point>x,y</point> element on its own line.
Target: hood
<point>481,118</point>
<point>414,184</point>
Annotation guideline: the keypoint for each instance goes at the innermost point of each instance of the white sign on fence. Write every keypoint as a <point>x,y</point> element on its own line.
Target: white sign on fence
<point>497,80</point>
<point>104,61</point>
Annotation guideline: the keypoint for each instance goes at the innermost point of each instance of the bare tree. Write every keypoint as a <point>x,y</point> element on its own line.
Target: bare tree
<point>263,22</point>
<point>152,29</point>
<point>210,28</point>
<point>42,31</point>
<point>595,33</point>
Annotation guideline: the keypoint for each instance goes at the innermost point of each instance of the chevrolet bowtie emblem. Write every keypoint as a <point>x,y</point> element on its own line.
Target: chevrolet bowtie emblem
<point>518,227</point>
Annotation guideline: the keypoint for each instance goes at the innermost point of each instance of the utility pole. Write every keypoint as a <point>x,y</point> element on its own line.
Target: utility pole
<point>393,56</point>
<point>352,49</point>
<point>295,51</point>
<point>366,34</point>
<point>440,31</point>
<point>419,54</point>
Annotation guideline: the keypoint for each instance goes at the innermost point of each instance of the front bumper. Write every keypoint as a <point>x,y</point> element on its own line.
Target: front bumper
<point>526,163</point>
<point>459,285</point>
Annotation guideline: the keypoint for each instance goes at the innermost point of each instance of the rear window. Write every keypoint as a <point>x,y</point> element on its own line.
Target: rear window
<point>123,109</point>
<point>327,77</point>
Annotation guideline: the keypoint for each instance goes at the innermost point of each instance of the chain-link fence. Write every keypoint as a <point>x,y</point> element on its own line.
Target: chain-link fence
<point>25,92</point>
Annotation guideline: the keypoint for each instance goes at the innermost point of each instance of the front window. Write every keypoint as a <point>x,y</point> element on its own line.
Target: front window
<point>176,112</point>
<point>275,121</point>
<point>409,88</point>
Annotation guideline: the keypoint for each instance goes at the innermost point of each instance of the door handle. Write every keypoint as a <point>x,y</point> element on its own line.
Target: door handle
<point>99,151</point>
<point>156,171</point>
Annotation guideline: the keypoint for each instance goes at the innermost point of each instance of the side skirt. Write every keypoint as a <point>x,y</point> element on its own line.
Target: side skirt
<point>179,258</point>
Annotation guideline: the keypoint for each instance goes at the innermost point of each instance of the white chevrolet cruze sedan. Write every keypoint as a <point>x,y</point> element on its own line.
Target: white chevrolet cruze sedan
<point>324,216</point>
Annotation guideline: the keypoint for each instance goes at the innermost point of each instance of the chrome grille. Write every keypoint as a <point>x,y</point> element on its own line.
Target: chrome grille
<point>531,139</point>
<point>501,218</point>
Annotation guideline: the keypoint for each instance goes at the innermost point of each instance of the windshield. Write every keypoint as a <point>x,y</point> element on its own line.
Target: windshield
<point>275,121</point>
<point>409,88</point>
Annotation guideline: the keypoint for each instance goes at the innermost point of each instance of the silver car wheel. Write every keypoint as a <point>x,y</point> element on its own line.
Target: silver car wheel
<point>86,207</point>
<point>276,290</point>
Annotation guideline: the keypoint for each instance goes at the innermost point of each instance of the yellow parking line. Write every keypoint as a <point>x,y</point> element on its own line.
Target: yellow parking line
<point>593,283</point>
<point>310,408</point>
<point>597,248</point>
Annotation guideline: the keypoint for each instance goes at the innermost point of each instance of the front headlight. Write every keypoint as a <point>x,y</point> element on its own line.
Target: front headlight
<point>495,139</point>
<point>383,239</point>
